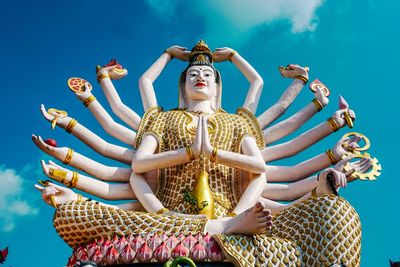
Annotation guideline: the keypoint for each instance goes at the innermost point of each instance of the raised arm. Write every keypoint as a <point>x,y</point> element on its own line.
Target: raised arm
<point>291,124</point>
<point>95,142</point>
<point>105,75</point>
<point>300,76</point>
<point>146,81</point>
<point>255,80</point>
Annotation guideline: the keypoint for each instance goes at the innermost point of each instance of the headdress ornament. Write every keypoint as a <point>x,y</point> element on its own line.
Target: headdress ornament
<point>200,55</point>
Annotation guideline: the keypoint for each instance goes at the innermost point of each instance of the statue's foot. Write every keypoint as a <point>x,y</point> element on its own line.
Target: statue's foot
<point>256,220</point>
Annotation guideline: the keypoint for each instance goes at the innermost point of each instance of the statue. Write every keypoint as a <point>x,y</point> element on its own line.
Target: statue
<point>198,171</point>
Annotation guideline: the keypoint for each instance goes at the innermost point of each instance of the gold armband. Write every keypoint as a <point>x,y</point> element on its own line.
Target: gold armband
<point>68,157</point>
<point>333,124</point>
<point>89,100</point>
<point>163,210</point>
<point>317,104</point>
<point>189,152</point>
<point>331,157</point>
<point>231,214</point>
<point>231,55</point>
<point>74,180</point>
<point>214,153</point>
<point>169,53</point>
<point>302,78</point>
<point>71,125</point>
<point>102,76</point>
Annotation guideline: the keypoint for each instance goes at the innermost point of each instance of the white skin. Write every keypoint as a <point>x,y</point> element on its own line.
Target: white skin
<point>221,54</point>
<point>114,129</point>
<point>118,107</point>
<point>287,98</point>
<point>95,142</point>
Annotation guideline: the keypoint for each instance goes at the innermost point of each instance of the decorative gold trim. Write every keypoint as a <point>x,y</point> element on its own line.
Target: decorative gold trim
<point>74,180</point>
<point>146,119</point>
<point>214,153</point>
<point>53,201</point>
<point>89,100</point>
<point>331,157</point>
<point>189,152</point>
<point>231,55</point>
<point>302,78</point>
<point>333,124</point>
<point>349,120</point>
<point>162,210</point>
<point>80,198</point>
<point>317,104</point>
<point>231,214</point>
<point>102,76</point>
<point>68,157</point>
<point>71,125</point>
<point>254,124</point>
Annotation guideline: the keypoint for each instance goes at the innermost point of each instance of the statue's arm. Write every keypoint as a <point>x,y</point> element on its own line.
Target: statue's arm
<point>306,139</point>
<point>287,98</point>
<point>106,191</point>
<point>291,124</point>
<point>95,142</point>
<point>146,81</point>
<point>105,75</point>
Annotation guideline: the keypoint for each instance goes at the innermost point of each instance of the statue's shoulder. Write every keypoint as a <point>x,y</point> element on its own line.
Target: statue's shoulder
<point>253,125</point>
<point>147,120</point>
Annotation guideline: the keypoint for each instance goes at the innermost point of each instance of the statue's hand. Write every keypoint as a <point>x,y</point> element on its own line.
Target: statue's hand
<point>85,94</point>
<point>223,54</point>
<point>61,121</point>
<point>113,69</point>
<point>207,148</point>
<point>179,52</point>
<point>56,172</point>
<point>197,144</point>
<point>319,95</point>
<point>57,152</point>
<point>54,194</point>
<point>351,143</point>
<point>293,70</point>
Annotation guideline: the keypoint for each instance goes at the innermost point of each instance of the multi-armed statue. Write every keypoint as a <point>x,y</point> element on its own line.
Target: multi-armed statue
<point>197,179</point>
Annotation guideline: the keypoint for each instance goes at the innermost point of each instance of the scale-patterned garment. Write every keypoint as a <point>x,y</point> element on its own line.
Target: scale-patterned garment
<point>318,232</point>
<point>175,129</point>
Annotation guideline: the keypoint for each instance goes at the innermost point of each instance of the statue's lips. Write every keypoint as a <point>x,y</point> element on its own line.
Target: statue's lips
<point>201,85</point>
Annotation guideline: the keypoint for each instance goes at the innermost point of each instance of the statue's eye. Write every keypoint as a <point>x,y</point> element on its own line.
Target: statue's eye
<point>208,74</point>
<point>192,74</point>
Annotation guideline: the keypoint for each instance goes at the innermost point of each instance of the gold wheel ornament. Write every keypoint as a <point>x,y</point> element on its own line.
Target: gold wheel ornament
<point>77,85</point>
<point>56,115</point>
<point>371,175</point>
<point>345,144</point>
<point>317,84</point>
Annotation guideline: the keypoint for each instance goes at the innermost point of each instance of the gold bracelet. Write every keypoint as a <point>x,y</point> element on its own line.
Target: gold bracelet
<point>161,211</point>
<point>74,180</point>
<point>169,53</point>
<point>302,78</point>
<point>71,125</point>
<point>68,157</point>
<point>331,157</point>
<point>231,214</point>
<point>189,152</point>
<point>231,55</point>
<point>317,104</point>
<point>89,100</point>
<point>80,198</point>
<point>333,124</point>
<point>102,76</point>
<point>214,153</point>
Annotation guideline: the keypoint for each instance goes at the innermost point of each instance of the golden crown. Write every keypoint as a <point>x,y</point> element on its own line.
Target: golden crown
<point>200,55</point>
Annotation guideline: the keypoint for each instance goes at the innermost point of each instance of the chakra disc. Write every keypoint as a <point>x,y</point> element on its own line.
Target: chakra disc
<point>318,84</point>
<point>77,85</point>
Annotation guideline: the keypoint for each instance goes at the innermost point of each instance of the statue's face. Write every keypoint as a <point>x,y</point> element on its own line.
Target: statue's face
<point>200,83</point>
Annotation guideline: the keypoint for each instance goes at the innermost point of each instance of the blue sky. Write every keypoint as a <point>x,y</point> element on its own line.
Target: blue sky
<point>352,46</point>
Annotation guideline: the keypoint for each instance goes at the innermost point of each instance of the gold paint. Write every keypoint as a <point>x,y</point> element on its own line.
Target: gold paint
<point>202,193</point>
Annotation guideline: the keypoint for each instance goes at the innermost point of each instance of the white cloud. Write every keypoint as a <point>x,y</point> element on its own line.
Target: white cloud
<point>14,200</point>
<point>233,18</point>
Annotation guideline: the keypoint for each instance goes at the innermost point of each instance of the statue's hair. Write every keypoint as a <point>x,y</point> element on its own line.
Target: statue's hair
<point>183,104</point>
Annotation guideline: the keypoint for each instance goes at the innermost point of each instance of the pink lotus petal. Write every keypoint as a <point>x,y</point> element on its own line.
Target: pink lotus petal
<point>91,248</point>
<point>189,241</point>
<point>171,242</point>
<point>198,252</point>
<point>154,242</point>
<point>72,260</point>
<point>164,236</point>
<point>106,246</point>
<point>137,243</point>
<point>80,251</point>
<point>112,256</point>
<point>144,253</point>
<point>180,251</point>
<point>215,252</point>
<point>180,237</point>
<point>127,255</point>
<point>121,244</point>
<point>97,256</point>
<point>162,253</point>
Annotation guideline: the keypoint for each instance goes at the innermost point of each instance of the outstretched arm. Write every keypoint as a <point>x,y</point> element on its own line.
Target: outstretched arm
<point>291,124</point>
<point>147,79</point>
<point>300,76</point>
<point>105,75</point>
<point>255,80</point>
<point>95,142</point>
<point>109,125</point>
<point>308,138</point>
